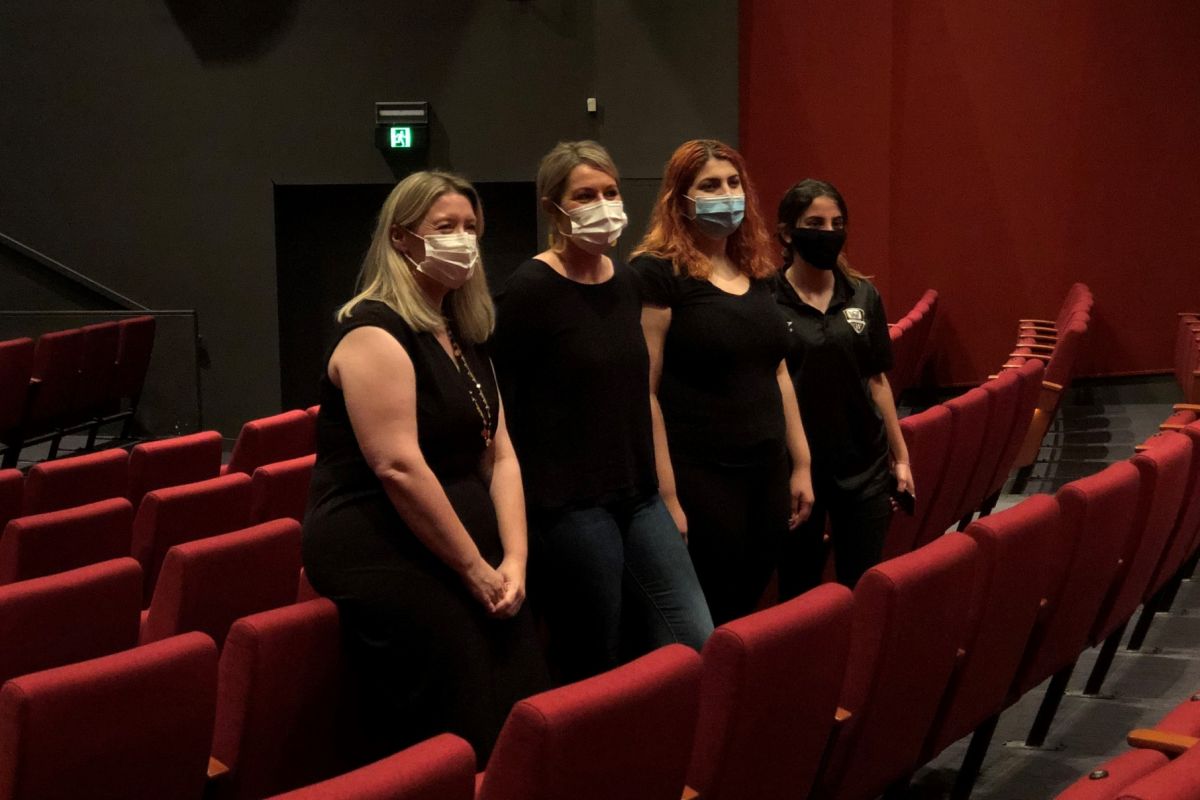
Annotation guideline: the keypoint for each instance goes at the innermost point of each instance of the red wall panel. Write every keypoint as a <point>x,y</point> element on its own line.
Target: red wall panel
<point>997,156</point>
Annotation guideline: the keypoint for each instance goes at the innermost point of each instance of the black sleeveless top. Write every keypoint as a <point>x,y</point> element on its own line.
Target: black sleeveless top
<point>449,432</point>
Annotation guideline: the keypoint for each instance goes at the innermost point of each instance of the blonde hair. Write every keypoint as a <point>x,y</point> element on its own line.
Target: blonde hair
<point>555,170</point>
<point>386,277</point>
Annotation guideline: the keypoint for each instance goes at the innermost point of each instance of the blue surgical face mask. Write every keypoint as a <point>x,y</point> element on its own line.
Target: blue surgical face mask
<point>718,217</point>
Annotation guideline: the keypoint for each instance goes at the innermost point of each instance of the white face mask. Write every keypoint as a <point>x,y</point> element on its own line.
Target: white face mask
<point>450,258</point>
<point>597,225</point>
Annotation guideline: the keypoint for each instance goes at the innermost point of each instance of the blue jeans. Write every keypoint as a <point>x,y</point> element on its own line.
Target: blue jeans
<point>615,581</point>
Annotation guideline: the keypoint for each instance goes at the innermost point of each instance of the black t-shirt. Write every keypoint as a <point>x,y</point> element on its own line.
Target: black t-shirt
<point>574,374</point>
<point>830,357</point>
<point>718,392</point>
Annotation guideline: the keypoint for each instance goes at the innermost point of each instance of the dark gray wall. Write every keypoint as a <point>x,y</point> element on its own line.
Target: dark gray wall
<point>139,141</point>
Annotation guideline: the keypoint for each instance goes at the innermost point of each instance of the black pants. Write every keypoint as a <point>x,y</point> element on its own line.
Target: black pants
<point>737,518</point>
<point>858,522</point>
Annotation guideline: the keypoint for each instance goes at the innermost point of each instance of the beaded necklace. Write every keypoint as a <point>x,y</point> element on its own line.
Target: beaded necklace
<point>474,389</point>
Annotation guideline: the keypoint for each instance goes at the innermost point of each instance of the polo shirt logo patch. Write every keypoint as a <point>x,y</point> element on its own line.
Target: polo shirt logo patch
<point>856,318</point>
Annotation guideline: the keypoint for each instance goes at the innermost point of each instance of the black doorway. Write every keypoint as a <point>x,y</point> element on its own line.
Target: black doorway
<point>321,235</point>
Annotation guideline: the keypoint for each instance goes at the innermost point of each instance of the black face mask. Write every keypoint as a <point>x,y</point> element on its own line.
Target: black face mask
<point>817,247</point>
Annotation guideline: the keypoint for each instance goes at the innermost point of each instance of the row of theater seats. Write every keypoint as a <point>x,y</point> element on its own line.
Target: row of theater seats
<point>911,339</point>
<point>931,645</point>
<point>1187,356</point>
<point>1058,344</point>
<point>72,380</point>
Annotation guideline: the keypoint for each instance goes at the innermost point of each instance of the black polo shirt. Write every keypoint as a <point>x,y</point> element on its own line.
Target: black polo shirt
<point>831,356</point>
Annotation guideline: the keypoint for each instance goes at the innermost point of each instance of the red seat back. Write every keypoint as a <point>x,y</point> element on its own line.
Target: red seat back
<point>283,716</point>
<point>757,735</point>
<point>178,514</point>
<point>927,436</point>
<point>16,368</point>
<point>910,619</point>
<point>602,737</point>
<point>1030,375</point>
<point>57,541</point>
<point>76,481</point>
<point>208,584</point>
<point>441,768</point>
<point>279,438</point>
<point>280,490</point>
<point>133,356</point>
<point>173,462</point>
<point>1097,520</point>
<point>1185,537</point>
<point>1164,470</point>
<point>1175,780</point>
<point>1004,396</point>
<point>55,378</point>
<point>1010,582</point>
<point>97,367</point>
<point>132,724</point>
<point>68,617</point>
<point>969,414</point>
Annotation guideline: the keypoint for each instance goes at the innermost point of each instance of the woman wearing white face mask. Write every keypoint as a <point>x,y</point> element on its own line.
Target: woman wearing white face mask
<point>416,522</point>
<point>733,461</point>
<point>609,567</point>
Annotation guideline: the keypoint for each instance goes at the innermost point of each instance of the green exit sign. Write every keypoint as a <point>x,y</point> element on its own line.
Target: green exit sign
<point>400,137</point>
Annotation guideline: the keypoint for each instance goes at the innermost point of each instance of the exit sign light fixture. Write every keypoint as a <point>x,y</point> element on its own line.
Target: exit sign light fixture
<point>402,128</point>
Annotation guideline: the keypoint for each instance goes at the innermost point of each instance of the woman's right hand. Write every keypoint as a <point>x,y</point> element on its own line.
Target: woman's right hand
<point>676,510</point>
<point>485,584</point>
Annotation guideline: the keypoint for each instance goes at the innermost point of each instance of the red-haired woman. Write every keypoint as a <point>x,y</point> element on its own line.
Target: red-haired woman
<point>732,460</point>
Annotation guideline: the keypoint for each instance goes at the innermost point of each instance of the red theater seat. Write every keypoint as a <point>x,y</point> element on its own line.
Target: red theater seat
<point>132,724</point>
<point>1097,520</point>
<point>208,584</point>
<point>910,620</point>
<point>441,768</point>
<point>97,368</point>
<point>969,414</point>
<point>766,704</point>
<point>927,436</point>
<point>68,617</point>
<point>133,362</point>
<point>281,490</point>
<point>1030,375</point>
<point>282,437</point>
<point>76,481</point>
<point>1004,397</point>
<point>625,733</point>
<point>16,368</point>
<point>55,380</point>
<point>179,514</point>
<point>283,708</point>
<point>57,541</point>
<point>1163,475</point>
<point>173,462</point>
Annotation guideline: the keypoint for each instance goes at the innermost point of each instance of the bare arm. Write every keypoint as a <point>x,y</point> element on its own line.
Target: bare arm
<point>377,378</point>
<point>881,395</point>
<point>797,442</point>
<point>508,497</point>
<point>656,321</point>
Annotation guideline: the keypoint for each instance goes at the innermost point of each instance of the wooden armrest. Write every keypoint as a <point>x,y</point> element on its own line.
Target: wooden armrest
<point>1050,337</point>
<point>1141,448</point>
<point>1038,329</point>
<point>689,794</point>
<point>1171,744</point>
<point>1043,356</point>
<point>1188,314</point>
<point>1052,386</point>
<point>1034,345</point>
<point>1047,322</point>
<point>216,770</point>
<point>841,715</point>
<point>1170,426</point>
<point>1186,407</point>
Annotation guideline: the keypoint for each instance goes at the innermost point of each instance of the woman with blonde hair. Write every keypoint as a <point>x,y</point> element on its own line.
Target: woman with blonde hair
<point>416,519</point>
<point>609,566</point>
<point>733,462</point>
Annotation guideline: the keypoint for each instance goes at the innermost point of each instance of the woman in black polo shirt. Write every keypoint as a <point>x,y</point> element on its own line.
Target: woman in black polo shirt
<point>838,352</point>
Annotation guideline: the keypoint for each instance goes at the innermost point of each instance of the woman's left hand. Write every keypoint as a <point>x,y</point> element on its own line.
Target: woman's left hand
<point>802,496</point>
<point>513,573</point>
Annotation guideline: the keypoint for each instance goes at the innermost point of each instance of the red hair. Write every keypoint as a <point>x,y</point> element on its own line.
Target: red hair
<point>671,235</point>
